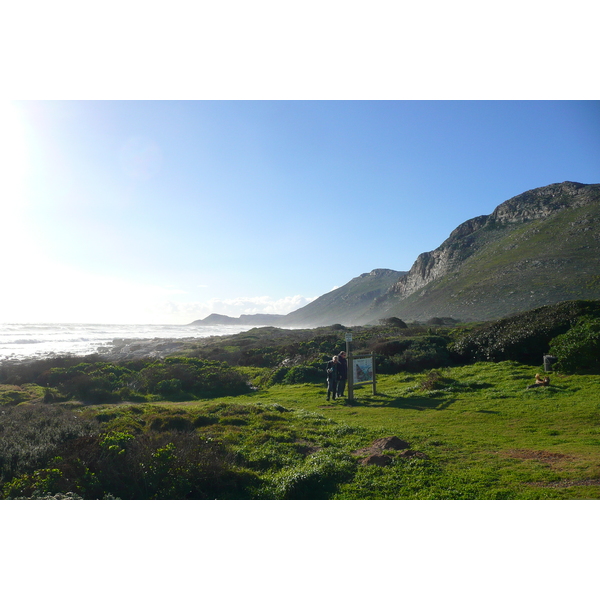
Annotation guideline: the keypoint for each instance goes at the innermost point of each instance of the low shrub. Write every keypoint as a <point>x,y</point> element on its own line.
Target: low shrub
<point>277,376</point>
<point>316,478</point>
<point>31,434</point>
<point>393,322</point>
<point>97,382</point>
<point>202,378</point>
<point>304,374</point>
<point>578,350</point>
<point>435,381</point>
<point>392,347</point>
<point>413,354</point>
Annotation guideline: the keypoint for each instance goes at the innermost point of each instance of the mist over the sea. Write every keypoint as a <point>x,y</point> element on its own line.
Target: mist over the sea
<point>42,340</point>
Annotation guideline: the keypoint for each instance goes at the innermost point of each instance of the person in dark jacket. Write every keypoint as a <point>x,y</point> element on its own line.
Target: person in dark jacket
<point>342,373</point>
<point>332,377</point>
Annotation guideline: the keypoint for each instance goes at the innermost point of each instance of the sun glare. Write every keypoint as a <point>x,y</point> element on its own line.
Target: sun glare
<point>13,170</point>
<point>13,152</point>
<point>21,258</point>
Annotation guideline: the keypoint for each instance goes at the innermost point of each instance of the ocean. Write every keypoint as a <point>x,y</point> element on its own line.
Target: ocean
<point>43,340</point>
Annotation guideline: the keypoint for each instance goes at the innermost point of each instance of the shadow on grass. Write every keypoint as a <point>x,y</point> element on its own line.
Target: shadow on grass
<point>551,389</point>
<point>480,386</point>
<point>410,403</point>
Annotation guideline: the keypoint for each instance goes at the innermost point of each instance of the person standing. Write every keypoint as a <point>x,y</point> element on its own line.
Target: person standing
<point>342,373</point>
<point>332,377</point>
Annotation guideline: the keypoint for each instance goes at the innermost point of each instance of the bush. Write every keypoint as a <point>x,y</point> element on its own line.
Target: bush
<point>30,371</point>
<point>442,321</point>
<point>170,465</point>
<point>32,434</point>
<point>394,322</point>
<point>317,478</point>
<point>92,383</point>
<point>413,354</point>
<point>202,378</point>
<point>304,374</point>
<point>278,375</point>
<point>98,382</point>
<point>167,464</point>
<point>392,347</point>
<point>525,337</point>
<point>169,386</point>
<point>435,381</point>
<point>258,357</point>
<point>578,350</point>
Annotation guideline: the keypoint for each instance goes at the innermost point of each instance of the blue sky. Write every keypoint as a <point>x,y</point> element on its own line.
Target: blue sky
<point>166,211</point>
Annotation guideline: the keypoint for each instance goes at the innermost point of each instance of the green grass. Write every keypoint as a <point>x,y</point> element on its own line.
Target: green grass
<point>15,394</point>
<point>480,432</point>
<point>485,434</point>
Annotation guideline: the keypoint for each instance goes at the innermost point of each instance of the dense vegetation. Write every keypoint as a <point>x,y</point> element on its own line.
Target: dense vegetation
<point>94,381</point>
<point>578,350</point>
<point>245,416</point>
<point>525,337</point>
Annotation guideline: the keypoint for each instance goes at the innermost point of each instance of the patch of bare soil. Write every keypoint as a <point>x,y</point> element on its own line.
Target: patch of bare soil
<point>541,455</point>
<point>305,447</point>
<point>373,454</point>
<point>550,458</point>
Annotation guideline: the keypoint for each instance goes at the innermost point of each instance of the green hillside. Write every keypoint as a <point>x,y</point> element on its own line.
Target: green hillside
<point>509,266</point>
<point>343,304</point>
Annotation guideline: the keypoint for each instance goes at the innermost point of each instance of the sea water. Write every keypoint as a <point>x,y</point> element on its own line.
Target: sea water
<point>42,340</point>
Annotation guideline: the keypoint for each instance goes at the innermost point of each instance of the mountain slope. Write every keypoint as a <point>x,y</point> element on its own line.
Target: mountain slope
<point>538,248</point>
<point>345,303</point>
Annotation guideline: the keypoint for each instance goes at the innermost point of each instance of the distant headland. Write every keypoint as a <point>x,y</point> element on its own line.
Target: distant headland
<point>260,320</point>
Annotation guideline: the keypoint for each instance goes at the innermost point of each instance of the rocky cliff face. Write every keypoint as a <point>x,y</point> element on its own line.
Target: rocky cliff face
<point>542,202</point>
<point>463,241</point>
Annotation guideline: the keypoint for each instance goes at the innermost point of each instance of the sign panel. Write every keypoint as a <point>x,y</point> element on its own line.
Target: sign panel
<point>348,337</point>
<point>362,369</point>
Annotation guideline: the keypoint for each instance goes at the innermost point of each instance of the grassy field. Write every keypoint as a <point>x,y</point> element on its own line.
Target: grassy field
<point>483,433</point>
<point>471,432</point>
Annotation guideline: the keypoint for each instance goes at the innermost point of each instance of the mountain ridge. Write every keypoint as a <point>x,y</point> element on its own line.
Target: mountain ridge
<point>537,248</point>
<point>514,237</point>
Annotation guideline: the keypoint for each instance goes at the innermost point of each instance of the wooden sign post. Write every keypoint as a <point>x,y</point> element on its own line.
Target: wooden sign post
<point>350,381</point>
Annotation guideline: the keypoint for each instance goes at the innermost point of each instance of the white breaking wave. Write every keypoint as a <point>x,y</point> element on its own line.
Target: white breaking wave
<point>41,340</point>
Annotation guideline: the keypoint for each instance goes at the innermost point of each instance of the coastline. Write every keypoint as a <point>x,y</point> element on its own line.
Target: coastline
<point>27,343</point>
<point>118,350</point>
<point>131,349</point>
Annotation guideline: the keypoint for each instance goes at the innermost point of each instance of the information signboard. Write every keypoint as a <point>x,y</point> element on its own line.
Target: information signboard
<point>362,369</point>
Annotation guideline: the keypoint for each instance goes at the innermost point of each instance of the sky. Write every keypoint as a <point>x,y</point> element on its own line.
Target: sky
<point>158,166</point>
<point>166,211</point>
